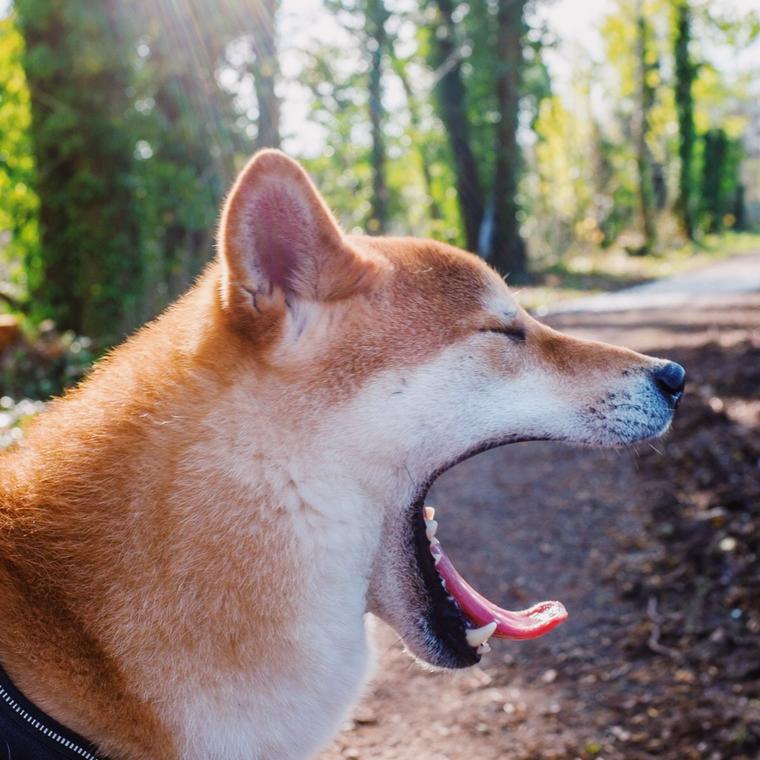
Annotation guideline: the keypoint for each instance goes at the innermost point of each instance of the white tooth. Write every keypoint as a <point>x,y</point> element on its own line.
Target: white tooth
<point>429,513</point>
<point>434,542</point>
<point>431,526</point>
<point>484,648</point>
<point>478,636</point>
<point>436,552</point>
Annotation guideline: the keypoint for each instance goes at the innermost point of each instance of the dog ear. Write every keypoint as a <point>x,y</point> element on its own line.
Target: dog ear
<point>278,234</point>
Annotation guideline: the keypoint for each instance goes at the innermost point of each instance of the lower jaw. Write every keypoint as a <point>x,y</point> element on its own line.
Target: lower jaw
<point>440,655</point>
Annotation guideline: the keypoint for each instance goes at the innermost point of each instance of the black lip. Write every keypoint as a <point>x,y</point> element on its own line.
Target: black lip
<point>445,621</point>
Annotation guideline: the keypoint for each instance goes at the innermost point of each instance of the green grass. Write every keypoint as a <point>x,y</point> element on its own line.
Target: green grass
<point>596,271</point>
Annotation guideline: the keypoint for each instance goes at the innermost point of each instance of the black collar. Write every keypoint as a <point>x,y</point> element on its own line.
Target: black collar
<point>26,733</point>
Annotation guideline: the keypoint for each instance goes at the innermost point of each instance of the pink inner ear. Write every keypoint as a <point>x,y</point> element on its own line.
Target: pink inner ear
<point>277,232</point>
<point>281,233</point>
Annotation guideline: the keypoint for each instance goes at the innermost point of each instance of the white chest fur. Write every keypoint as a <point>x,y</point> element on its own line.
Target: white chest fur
<point>250,718</point>
<point>289,709</point>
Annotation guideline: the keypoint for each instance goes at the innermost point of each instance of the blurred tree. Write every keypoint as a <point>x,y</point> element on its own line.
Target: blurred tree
<point>720,180</point>
<point>445,57</point>
<point>337,98</point>
<point>418,139</point>
<point>479,104</point>
<point>613,191</point>
<point>365,171</point>
<point>571,160</point>
<point>89,274</point>
<point>507,247</point>
<point>376,17</point>
<point>187,137</point>
<point>685,72</point>
<point>265,71</point>
<point>642,135</point>
<point>646,65</point>
<point>156,102</point>
<point>367,20</point>
<point>555,179</point>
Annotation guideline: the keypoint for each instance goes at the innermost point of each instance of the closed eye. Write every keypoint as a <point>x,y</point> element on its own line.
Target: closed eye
<point>516,334</point>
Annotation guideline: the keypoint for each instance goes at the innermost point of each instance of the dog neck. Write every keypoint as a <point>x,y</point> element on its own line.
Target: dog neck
<point>163,558</point>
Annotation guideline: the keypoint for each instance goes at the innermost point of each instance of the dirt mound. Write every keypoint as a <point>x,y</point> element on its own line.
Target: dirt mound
<point>701,644</point>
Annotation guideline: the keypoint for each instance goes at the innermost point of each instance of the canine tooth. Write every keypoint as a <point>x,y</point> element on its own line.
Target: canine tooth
<point>478,636</point>
<point>429,513</point>
<point>484,648</point>
<point>431,526</point>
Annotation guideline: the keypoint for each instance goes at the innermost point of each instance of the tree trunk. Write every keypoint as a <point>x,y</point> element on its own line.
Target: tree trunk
<point>377,36</point>
<point>713,178</point>
<point>452,108</point>
<point>265,73</point>
<point>685,72</point>
<point>507,250</point>
<point>646,194</point>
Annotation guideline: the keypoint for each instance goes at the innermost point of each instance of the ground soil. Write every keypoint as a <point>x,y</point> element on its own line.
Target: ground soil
<point>654,551</point>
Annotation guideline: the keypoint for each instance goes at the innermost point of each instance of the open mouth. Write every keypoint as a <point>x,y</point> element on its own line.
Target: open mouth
<point>440,616</point>
<point>459,618</point>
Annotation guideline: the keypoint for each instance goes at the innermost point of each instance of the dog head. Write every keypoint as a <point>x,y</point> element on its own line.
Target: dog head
<point>392,359</point>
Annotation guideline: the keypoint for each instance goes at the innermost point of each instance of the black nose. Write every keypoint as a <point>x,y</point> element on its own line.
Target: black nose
<point>670,378</point>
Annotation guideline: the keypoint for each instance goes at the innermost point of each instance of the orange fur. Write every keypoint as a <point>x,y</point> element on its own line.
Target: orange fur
<point>92,505</point>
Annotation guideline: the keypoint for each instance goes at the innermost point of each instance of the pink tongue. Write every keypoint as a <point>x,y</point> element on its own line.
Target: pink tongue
<point>525,624</point>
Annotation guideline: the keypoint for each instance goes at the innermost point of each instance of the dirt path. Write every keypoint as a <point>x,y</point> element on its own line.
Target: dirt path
<point>736,276</point>
<point>535,521</point>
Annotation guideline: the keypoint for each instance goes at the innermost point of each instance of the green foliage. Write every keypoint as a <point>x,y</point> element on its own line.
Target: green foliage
<point>564,187</point>
<point>338,99</point>
<point>338,104</point>
<point>123,122</point>
<point>18,202</point>
<point>135,151</point>
<point>87,271</point>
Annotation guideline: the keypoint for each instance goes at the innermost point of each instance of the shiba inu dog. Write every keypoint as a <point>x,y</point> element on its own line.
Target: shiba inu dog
<point>190,540</point>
